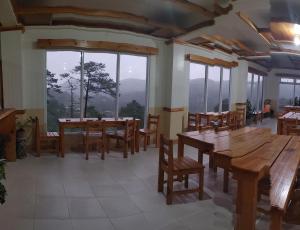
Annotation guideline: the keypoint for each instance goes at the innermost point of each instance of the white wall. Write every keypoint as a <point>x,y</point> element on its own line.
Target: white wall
<point>24,66</point>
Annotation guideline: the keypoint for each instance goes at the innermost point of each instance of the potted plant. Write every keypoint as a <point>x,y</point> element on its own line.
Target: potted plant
<point>23,134</point>
<point>2,187</point>
<point>249,111</point>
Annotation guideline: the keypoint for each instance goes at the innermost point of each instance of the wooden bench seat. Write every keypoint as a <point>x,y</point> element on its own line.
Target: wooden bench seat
<point>283,177</point>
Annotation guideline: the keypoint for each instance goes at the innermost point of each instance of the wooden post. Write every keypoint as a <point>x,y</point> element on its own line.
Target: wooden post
<point>246,200</point>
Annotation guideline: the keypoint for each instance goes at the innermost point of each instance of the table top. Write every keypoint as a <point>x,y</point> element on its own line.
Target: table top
<point>291,116</point>
<point>235,143</point>
<point>83,120</point>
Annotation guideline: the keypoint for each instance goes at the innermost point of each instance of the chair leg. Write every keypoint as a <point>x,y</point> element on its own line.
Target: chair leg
<point>132,146</point>
<point>145,142</point>
<point>107,145</point>
<point>170,189</point>
<point>201,178</point>
<point>148,140</point>
<point>160,187</point>
<point>86,151</point>
<point>38,149</point>
<point>57,148</point>
<point>186,181</point>
<point>125,149</point>
<point>102,149</point>
<point>156,140</point>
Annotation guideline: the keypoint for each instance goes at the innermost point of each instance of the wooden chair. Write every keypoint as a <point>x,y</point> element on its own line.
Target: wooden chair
<point>126,135</point>
<point>94,134</point>
<point>193,121</point>
<point>240,117</point>
<point>204,120</point>
<point>232,120</point>
<point>178,167</point>
<point>152,129</point>
<point>45,137</point>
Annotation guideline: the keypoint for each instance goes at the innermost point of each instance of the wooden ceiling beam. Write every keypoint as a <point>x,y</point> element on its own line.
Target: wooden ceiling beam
<point>101,25</point>
<point>95,45</point>
<point>252,25</point>
<point>97,13</point>
<point>193,7</point>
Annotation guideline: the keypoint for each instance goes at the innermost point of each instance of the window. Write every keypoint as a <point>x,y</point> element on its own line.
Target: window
<point>289,89</point>
<point>209,88</point>
<point>132,86</point>
<point>106,84</point>
<point>197,85</point>
<point>225,89</point>
<point>255,91</point>
<point>213,88</point>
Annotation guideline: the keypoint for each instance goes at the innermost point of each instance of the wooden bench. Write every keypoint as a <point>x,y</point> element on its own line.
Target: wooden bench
<point>283,177</point>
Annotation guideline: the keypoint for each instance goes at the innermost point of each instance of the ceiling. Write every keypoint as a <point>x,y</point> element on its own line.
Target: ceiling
<point>261,31</point>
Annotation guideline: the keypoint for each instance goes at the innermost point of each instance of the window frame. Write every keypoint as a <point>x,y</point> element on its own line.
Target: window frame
<point>294,83</point>
<point>220,86</point>
<point>260,82</point>
<point>82,52</point>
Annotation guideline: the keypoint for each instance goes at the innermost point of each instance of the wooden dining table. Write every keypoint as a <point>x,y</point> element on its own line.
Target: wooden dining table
<point>284,119</point>
<point>71,123</point>
<point>276,165</point>
<point>224,146</point>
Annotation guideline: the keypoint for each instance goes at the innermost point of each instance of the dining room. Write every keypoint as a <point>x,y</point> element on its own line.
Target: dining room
<point>161,114</point>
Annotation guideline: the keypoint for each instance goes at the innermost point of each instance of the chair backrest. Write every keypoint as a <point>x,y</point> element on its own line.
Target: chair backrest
<point>193,120</point>
<point>95,126</point>
<point>153,122</point>
<point>166,151</point>
<point>204,119</point>
<point>129,132</point>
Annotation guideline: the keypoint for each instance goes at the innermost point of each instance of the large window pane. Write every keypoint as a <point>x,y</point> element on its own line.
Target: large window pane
<point>133,78</point>
<point>225,89</point>
<point>63,86</point>
<point>254,91</point>
<point>286,92</point>
<point>99,85</point>
<point>213,89</point>
<point>249,84</point>
<point>260,93</point>
<point>196,85</point>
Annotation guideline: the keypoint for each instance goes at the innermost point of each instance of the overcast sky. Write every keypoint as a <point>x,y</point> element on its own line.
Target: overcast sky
<point>131,66</point>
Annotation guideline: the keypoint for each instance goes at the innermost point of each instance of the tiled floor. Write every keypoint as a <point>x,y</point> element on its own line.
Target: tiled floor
<point>51,193</point>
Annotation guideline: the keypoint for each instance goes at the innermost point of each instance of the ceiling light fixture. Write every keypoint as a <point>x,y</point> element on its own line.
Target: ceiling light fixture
<point>296,29</point>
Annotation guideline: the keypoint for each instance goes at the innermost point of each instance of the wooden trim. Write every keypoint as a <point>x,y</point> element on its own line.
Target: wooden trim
<point>209,61</point>
<point>12,28</point>
<point>20,111</point>
<point>256,71</point>
<point>96,13</point>
<point>98,45</point>
<point>171,110</point>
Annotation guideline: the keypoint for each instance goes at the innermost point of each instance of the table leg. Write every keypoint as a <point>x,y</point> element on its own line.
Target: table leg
<point>246,202</point>
<point>226,181</point>
<point>61,140</point>
<point>137,137</point>
<point>276,219</point>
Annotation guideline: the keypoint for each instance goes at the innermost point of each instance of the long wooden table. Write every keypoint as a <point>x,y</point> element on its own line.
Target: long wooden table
<point>283,120</point>
<point>224,146</point>
<point>67,123</point>
<point>255,156</point>
<point>278,162</point>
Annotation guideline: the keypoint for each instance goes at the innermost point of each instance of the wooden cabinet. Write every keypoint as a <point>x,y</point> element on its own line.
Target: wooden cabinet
<point>8,128</point>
